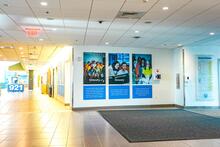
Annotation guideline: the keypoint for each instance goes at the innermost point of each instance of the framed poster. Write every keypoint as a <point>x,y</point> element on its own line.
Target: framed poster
<point>94,68</point>
<point>204,78</point>
<point>118,69</point>
<point>142,69</point>
<point>142,75</point>
<point>94,76</point>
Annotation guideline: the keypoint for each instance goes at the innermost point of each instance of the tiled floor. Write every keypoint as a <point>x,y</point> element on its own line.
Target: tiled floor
<point>28,120</point>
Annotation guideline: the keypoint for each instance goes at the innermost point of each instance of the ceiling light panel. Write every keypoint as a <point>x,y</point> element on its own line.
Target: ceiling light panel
<point>44,4</point>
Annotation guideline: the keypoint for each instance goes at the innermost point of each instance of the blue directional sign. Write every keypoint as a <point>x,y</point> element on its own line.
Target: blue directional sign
<point>15,88</point>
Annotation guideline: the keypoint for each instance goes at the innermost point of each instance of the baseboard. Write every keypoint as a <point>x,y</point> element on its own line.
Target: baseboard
<point>127,107</point>
<point>202,107</point>
<point>179,106</point>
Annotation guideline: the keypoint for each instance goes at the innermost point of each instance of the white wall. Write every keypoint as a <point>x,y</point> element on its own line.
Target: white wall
<point>163,92</point>
<point>67,82</point>
<point>190,71</point>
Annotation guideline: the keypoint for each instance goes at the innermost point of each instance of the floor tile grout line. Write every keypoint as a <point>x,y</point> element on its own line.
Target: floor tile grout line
<point>54,131</point>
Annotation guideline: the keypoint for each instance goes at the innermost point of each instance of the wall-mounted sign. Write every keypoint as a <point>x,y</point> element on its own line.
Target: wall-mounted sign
<point>118,69</point>
<point>32,31</point>
<point>142,75</point>
<point>94,68</point>
<point>15,88</point>
<point>94,76</point>
<point>177,81</point>
<point>204,78</point>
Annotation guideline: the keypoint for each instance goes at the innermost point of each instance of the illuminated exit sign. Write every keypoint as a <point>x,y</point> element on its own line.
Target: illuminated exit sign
<point>32,31</point>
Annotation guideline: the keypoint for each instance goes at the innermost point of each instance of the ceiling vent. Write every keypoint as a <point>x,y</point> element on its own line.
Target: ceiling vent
<point>130,15</point>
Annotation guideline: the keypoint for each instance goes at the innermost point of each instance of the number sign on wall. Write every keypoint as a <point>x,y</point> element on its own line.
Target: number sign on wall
<point>15,88</point>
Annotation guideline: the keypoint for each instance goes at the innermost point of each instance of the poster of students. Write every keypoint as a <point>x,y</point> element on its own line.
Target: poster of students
<point>142,69</point>
<point>94,68</point>
<point>118,68</point>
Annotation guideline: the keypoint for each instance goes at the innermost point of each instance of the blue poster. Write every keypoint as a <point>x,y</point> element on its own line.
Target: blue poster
<point>118,68</point>
<point>142,75</point>
<point>94,92</point>
<point>94,68</point>
<point>142,91</point>
<point>142,69</point>
<point>119,92</point>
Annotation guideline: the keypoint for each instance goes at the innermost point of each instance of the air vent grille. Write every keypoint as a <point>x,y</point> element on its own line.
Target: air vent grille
<point>130,15</point>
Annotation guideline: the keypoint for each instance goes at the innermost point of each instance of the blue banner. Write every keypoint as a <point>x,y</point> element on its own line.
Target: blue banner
<point>15,88</point>
<point>94,92</point>
<point>142,91</point>
<point>119,92</point>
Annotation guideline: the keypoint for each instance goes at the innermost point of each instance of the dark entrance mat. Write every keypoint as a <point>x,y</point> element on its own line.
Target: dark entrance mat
<point>162,125</point>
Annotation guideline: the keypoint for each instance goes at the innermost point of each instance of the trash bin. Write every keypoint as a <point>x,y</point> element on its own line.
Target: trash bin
<point>50,91</point>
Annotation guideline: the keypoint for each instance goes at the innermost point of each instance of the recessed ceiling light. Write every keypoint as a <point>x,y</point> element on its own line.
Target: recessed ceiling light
<point>136,31</point>
<point>41,39</point>
<point>20,48</point>
<point>211,33</point>
<point>179,45</point>
<point>165,8</point>
<point>43,3</point>
<point>106,43</point>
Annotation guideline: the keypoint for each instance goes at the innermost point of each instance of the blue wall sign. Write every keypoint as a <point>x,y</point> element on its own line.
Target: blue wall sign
<point>119,92</point>
<point>94,92</point>
<point>142,91</point>
<point>15,88</point>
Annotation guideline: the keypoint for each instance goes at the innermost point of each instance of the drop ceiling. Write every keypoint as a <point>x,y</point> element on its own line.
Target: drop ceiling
<point>68,22</point>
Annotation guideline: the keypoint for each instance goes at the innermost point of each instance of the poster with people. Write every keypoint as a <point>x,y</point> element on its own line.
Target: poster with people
<point>94,68</point>
<point>142,69</point>
<point>142,76</point>
<point>118,68</point>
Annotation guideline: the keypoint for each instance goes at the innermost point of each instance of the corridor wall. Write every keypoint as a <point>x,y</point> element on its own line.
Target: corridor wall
<point>191,76</point>
<point>162,90</point>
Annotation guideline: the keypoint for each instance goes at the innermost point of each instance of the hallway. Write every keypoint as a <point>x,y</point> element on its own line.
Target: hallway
<point>28,102</point>
<point>36,120</point>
